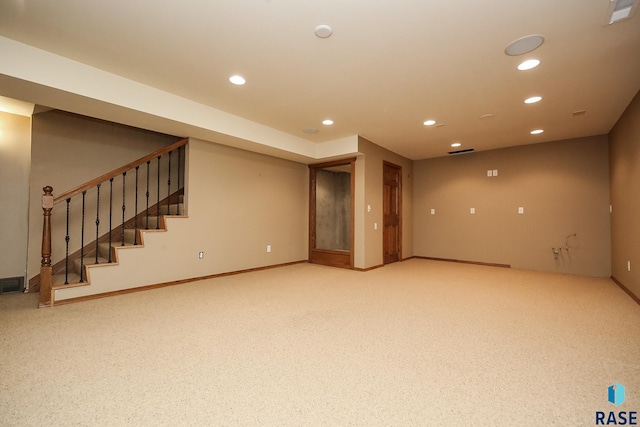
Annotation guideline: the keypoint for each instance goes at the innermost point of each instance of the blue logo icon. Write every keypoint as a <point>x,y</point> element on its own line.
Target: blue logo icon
<point>616,394</point>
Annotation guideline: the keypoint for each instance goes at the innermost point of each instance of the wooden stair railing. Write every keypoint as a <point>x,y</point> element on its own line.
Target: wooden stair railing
<point>49,201</point>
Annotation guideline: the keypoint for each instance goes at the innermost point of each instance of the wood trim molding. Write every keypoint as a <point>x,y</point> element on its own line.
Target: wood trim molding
<point>175,282</point>
<point>368,268</point>
<point>488,264</point>
<point>624,288</point>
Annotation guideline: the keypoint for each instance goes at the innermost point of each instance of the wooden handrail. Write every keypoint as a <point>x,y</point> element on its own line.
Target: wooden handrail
<point>119,171</point>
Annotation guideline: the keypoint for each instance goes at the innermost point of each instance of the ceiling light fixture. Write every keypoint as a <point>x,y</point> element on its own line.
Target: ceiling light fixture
<point>528,64</point>
<point>429,122</point>
<point>323,31</point>
<point>533,100</point>
<point>524,45</point>
<point>237,80</point>
<point>536,132</point>
<point>456,144</point>
<point>327,122</point>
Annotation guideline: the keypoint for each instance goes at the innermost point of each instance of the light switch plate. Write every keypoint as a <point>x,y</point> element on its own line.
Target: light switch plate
<point>521,210</point>
<point>433,211</point>
<point>472,211</point>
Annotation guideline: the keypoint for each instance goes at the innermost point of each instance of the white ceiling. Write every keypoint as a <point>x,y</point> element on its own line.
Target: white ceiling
<point>387,67</point>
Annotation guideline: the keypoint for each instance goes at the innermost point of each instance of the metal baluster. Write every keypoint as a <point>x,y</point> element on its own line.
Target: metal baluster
<point>158,198</point>
<point>169,187</point>
<point>135,215</point>
<point>178,199</point>
<point>147,225</point>
<point>124,177</point>
<point>110,217</point>
<point>97,218</point>
<point>66,239</point>
<point>84,193</point>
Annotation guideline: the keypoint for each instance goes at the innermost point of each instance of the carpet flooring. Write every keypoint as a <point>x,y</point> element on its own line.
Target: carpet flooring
<point>420,342</point>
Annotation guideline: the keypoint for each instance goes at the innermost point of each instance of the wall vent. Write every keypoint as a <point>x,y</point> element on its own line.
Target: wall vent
<point>11,284</point>
<point>620,10</point>
<point>465,151</point>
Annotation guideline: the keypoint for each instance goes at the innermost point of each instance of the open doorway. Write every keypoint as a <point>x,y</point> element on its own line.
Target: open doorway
<point>331,218</point>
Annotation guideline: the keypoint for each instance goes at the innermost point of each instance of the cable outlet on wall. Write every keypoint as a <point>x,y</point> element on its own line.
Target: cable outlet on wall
<point>200,255</point>
<point>268,248</point>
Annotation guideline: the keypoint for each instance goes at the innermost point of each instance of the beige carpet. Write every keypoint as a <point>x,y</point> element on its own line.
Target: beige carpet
<point>420,343</point>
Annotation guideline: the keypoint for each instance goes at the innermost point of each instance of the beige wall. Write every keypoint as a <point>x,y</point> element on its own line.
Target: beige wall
<point>15,147</point>
<point>68,150</point>
<point>563,187</point>
<point>368,240</point>
<point>238,203</point>
<point>624,153</point>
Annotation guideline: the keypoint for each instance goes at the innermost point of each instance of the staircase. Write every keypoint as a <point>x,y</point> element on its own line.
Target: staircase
<point>70,275</point>
<point>90,232</point>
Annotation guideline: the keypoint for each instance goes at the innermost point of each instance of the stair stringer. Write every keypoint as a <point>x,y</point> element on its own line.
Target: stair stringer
<point>148,263</point>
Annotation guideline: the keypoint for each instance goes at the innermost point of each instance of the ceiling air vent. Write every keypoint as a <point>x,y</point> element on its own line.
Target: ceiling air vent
<point>465,151</point>
<point>621,9</point>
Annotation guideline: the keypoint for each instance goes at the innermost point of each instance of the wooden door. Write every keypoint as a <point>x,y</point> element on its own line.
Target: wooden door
<point>392,213</point>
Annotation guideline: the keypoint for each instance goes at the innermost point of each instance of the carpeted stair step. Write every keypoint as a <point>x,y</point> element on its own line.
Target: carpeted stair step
<point>72,277</point>
<point>104,248</point>
<point>89,261</point>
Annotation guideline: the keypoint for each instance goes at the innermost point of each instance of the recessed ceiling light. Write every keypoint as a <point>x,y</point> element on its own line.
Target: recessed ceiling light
<point>528,64</point>
<point>310,130</point>
<point>237,80</point>
<point>429,122</point>
<point>536,132</point>
<point>456,144</point>
<point>323,31</point>
<point>533,100</point>
<point>524,45</point>
<point>327,122</point>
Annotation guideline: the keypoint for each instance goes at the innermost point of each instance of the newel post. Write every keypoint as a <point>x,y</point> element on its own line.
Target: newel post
<point>46,271</point>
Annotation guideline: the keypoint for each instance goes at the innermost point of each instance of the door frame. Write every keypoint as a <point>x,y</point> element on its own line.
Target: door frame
<point>386,164</point>
<point>326,256</point>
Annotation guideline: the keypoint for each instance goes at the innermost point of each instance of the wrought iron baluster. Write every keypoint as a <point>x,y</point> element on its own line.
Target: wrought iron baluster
<point>84,193</point>
<point>178,199</point>
<point>158,198</point>
<point>147,224</point>
<point>110,218</point>
<point>124,177</point>
<point>135,214</point>
<point>169,187</point>
<point>66,240</point>
<point>97,218</point>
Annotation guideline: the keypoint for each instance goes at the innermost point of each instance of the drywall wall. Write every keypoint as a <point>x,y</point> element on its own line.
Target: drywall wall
<point>238,202</point>
<point>369,187</point>
<point>562,186</point>
<point>68,150</point>
<point>624,145</point>
<point>15,148</point>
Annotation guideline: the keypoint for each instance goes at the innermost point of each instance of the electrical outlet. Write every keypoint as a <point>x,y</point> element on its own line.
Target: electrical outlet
<point>433,211</point>
<point>472,211</point>
<point>521,210</point>
<point>495,172</point>
<point>489,172</point>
